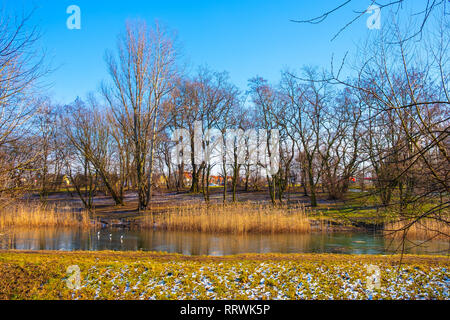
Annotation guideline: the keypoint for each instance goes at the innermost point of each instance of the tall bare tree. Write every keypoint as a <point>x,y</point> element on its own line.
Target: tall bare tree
<point>21,66</point>
<point>142,76</point>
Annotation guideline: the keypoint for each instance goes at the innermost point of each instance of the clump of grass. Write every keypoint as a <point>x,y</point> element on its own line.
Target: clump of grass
<point>236,218</point>
<point>29,215</point>
<point>421,229</point>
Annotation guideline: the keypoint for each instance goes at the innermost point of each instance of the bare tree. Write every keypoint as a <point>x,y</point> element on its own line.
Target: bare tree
<point>394,6</point>
<point>266,100</point>
<point>307,102</point>
<point>142,77</point>
<point>403,86</point>
<point>21,66</point>
<point>88,131</point>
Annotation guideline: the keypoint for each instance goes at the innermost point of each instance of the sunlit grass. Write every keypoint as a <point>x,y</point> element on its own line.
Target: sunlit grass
<point>236,218</point>
<point>33,215</point>
<point>142,276</point>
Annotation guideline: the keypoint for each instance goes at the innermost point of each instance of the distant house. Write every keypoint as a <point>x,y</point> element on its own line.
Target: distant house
<point>187,177</point>
<point>162,180</point>
<point>213,180</point>
<point>66,180</point>
<point>218,180</point>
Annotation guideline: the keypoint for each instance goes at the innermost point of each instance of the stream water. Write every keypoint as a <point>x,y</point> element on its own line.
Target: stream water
<point>194,243</point>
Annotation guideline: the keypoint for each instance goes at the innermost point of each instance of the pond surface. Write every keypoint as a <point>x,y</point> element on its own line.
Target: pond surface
<point>192,243</point>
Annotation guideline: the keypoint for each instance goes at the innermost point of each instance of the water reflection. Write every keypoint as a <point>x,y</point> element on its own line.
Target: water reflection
<point>191,243</point>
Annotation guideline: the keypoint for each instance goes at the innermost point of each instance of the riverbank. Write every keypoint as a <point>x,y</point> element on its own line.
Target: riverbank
<point>233,218</point>
<point>252,213</point>
<point>144,275</point>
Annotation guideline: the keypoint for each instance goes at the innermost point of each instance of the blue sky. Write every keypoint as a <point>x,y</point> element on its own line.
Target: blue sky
<point>244,37</point>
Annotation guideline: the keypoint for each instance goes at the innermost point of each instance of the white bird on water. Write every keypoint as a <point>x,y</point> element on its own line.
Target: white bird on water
<point>121,239</point>
<point>110,236</point>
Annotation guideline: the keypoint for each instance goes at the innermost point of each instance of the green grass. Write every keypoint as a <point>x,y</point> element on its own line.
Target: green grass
<point>141,275</point>
<point>365,207</point>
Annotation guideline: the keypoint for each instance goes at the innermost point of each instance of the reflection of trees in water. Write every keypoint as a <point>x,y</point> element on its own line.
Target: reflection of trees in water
<point>4,239</point>
<point>414,246</point>
<point>223,244</point>
<point>46,239</point>
<point>196,243</point>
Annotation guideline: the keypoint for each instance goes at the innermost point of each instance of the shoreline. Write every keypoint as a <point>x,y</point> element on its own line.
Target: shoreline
<point>251,256</point>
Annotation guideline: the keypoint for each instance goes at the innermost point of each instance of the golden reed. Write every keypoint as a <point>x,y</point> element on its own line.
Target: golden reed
<point>236,218</point>
<point>422,229</point>
<point>30,215</point>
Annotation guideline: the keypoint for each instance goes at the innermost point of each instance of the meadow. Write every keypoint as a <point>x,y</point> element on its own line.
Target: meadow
<point>148,275</point>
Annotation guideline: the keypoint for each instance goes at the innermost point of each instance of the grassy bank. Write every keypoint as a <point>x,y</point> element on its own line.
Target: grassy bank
<point>140,275</point>
<point>235,218</point>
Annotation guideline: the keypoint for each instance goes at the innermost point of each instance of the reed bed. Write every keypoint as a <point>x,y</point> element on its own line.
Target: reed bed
<point>421,229</point>
<point>31,215</point>
<point>238,218</point>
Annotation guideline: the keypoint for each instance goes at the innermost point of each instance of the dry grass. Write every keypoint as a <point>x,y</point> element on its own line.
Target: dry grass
<point>29,215</point>
<point>422,229</point>
<point>108,275</point>
<point>236,218</point>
